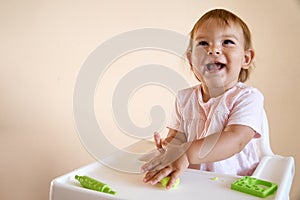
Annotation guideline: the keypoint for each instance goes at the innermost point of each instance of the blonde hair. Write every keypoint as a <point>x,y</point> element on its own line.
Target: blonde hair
<point>224,18</point>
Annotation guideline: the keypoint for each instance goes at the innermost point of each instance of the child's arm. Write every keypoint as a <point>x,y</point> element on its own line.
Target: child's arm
<point>218,147</point>
<point>212,148</point>
<point>173,137</point>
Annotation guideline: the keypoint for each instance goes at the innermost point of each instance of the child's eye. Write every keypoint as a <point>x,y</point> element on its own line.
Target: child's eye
<point>228,42</point>
<point>202,43</point>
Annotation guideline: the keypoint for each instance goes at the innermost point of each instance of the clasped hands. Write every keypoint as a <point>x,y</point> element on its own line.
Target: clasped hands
<point>168,160</point>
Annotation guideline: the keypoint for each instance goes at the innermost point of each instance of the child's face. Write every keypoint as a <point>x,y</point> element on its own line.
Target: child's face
<point>218,54</point>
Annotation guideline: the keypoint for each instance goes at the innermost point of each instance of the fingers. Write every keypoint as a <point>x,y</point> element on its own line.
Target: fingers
<point>155,176</point>
<point>149,175</point>
<point>173,178</point>
<point>148,156</point>
<point>152,165</point>
<point>157,140</point>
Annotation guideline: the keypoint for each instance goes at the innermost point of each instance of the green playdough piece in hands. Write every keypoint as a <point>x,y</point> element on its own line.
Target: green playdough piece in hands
<point>165,181</point>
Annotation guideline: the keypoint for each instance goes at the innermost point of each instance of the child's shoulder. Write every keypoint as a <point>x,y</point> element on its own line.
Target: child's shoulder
<point>242,90</point>
<point>188,93</point>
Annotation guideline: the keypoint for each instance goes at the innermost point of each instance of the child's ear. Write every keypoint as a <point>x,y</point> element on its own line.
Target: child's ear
<point>189,57</point>
<point>249,56</point>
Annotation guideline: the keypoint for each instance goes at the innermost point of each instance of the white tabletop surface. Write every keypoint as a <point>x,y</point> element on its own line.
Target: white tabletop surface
<point>194,185</point>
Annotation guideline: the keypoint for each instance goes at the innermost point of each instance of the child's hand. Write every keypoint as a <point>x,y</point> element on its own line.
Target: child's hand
<point>160,143</point>
<point>169,160</point>
<point>173,170</point>
<point>166,157</point>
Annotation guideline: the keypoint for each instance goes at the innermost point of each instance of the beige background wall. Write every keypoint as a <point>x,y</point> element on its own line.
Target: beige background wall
<point>44,43</point>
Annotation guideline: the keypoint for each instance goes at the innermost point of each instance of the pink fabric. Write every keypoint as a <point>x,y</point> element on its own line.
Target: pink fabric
<point>241,105</point>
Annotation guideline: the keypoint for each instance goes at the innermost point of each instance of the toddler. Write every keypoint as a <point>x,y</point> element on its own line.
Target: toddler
<point>214,124</point>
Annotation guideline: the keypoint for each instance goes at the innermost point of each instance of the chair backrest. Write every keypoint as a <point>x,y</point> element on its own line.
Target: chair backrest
<point>264,140</point>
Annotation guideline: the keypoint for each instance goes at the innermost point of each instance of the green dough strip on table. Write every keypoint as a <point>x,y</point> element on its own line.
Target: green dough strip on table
<point>93,184</point>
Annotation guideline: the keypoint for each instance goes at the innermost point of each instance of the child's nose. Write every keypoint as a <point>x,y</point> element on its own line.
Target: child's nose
<point>213,51</point>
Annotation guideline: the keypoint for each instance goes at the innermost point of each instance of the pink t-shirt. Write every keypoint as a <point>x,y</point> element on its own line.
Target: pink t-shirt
<point>241,105</point>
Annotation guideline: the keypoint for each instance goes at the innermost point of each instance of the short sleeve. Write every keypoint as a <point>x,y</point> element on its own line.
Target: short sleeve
<point>175,121</point>
<point>248,110</point>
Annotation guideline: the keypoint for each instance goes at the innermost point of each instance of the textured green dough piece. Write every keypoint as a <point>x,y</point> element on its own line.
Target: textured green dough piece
<point>215,178</point>
<point>165,181</point>
<point>93,184</point>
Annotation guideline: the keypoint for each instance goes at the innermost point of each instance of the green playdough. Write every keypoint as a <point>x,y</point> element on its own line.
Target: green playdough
<point>165,181</point>
<point>92,184</point>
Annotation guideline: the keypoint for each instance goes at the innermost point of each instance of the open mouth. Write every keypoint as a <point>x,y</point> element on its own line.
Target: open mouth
<point>215,66</point>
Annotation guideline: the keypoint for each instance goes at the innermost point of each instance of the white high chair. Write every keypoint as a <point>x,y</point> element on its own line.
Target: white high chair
<point>195,184</point>
<point>274,168</point>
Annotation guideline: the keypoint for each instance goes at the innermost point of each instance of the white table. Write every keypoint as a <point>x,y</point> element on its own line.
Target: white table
<point>194,184</point>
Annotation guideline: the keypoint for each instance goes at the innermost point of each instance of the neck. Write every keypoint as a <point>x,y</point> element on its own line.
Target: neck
<point>211,92</point>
